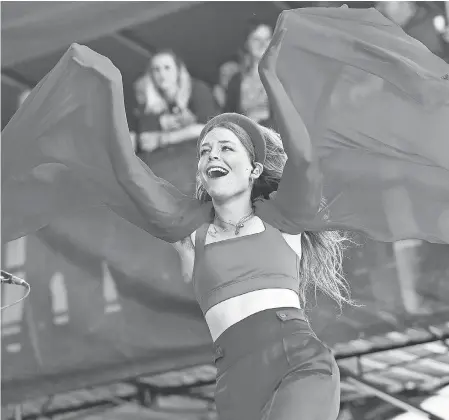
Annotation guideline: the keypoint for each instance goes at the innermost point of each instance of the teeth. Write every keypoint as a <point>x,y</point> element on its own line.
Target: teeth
<point>216,169</point>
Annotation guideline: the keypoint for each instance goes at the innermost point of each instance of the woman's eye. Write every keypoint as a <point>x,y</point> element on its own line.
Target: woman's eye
<point>202,152</point>
<point>227,148</point>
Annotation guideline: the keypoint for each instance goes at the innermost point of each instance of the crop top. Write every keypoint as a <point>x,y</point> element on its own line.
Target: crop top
<point>236,266</point>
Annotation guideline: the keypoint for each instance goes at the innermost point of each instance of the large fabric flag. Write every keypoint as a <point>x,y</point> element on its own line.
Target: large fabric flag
<point>375,101</point>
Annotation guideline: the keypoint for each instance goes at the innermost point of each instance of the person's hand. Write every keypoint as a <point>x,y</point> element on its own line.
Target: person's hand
<point>267,64</point>
<point>149,141</point>
<point>181,119</point>
<point>187,118</point>
<point>165,138</point>
<point>170,122</point>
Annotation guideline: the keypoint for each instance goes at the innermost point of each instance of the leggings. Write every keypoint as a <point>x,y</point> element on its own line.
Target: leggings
<point>271,366</point>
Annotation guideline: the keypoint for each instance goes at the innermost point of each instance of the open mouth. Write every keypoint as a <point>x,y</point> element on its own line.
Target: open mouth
<point>216,172</point>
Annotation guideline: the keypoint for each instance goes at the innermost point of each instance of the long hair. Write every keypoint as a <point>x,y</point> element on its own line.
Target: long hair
<point>150,97</point>
<point>321,265</point>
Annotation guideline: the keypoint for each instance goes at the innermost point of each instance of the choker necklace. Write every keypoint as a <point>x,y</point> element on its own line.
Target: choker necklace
<point>237,225</point>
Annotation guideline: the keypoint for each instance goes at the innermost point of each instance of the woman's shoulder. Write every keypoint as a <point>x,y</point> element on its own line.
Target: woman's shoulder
<point>271,214</point>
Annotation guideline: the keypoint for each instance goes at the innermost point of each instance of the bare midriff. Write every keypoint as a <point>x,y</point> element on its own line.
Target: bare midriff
<point>227,313</point>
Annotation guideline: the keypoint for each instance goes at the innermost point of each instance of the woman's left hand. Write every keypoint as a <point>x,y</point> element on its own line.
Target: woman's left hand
<point>267,64</point>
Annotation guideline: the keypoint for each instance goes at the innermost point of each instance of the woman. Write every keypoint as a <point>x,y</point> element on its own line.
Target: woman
<point>250,281</point>
<point>250,278</point>
<point>246,94</point>
<point>173,107</point>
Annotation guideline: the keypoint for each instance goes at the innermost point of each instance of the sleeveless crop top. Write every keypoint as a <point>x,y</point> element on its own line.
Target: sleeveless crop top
<point>236,266</point>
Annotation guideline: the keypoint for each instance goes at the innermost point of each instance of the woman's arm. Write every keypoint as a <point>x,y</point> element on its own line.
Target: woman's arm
<point>151,140</point>
<point>183,134</point>
<point>299,193</point>
<point>202,107</point>
<point>162,210</point>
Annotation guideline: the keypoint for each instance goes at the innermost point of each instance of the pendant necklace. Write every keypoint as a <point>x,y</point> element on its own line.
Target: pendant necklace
<point>237,226</point>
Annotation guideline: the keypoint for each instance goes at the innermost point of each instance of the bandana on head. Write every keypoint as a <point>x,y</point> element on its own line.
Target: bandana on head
<point>252,128</point>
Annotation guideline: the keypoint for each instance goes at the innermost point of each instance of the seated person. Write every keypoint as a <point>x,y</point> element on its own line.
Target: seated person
<point>173,107</point>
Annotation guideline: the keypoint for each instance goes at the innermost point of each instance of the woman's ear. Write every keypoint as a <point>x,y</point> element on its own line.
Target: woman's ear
<point>257,171</point>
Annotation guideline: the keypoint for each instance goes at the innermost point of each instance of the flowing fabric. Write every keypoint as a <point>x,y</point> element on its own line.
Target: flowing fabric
<point>375,102</point>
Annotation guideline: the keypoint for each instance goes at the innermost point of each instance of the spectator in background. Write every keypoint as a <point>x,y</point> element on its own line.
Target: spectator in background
<point>226,72</point>
<point>421,21</point>
<point>246,94</point>
<point>173,107</point>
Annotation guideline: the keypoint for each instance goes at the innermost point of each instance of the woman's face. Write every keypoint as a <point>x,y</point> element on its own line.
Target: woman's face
<point>224,166</point>
<point>164,72</point>
<point>258,41</point>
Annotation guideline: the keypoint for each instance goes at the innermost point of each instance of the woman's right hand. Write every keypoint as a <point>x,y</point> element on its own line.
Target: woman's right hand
<point>149,141</point>
<point>267,64</point>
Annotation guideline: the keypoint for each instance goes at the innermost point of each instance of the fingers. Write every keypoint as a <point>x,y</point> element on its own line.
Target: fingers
<point>278,37</point>
<point>268,61</point>
<point>280,29</point>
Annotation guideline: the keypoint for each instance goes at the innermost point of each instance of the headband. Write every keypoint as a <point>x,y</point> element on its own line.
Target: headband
<point>251,127</point>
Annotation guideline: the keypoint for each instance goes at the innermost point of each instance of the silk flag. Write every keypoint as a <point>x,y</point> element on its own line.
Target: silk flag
<point>375,102</point>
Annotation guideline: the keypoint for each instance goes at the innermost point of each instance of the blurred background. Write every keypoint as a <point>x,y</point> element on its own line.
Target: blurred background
<point>110,330</point>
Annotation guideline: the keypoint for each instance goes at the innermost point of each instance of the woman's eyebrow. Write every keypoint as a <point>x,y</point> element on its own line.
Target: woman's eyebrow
<point>219,141</point>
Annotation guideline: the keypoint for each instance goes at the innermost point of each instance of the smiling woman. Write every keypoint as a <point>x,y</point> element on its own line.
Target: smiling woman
<point>250,278</point>
<point>173,106</point>
<point>225,167</point>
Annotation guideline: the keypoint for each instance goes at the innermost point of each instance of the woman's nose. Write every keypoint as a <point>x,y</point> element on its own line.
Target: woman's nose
<point>214,154</point>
